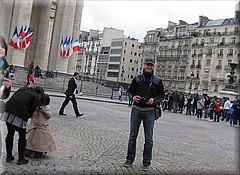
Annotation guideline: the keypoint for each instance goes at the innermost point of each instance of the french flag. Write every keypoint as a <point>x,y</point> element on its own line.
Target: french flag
<point>76,46</point>
<point>13,41</point>
<point>29,36</point>
<point>61,48</point>
<point>65,46</point>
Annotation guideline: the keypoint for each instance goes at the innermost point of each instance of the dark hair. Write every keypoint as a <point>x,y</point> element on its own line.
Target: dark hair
<point>3,44</point>
<point>46,99</point>
<point>75,73</point>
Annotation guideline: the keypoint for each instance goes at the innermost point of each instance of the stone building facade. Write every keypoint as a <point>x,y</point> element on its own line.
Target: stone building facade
<point>52,19</point>
<point>195,58</point>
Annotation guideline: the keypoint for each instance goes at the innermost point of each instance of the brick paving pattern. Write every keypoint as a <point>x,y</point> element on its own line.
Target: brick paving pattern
<point>97,143</point>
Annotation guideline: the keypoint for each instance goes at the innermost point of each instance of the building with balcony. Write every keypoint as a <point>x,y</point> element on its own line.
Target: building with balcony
<point>203,49</point>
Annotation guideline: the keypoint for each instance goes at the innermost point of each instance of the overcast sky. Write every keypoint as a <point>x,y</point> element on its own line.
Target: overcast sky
<point>137,17</point>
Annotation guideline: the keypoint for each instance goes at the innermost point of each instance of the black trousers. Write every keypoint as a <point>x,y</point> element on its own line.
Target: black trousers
<point>65,103</point>
<point>21,141</point>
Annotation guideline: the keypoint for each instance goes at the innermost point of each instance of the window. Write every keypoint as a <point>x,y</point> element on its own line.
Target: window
<point>211,40</point>
<point>116,43</point>
<point>116,51</point>
<point>219,62</point>
<point>209,51</point>
<point>221,52</point>
<point>132,69</point>
<point>230,52</point>
<point>205,86</point>
<point>130,60</point>
<point>206,74</point>
<point>226,30</point>
<point>112,74</point>
<point>132,45</point>
<point>199,62</point>
<point>115,59</point>
<point>197,75</point>
<point>236,30</point>
<point>223,40</point>
<point>125,43</point>
<point>233,40</point>
<point>208,62</point>
<point>215,31</point>
<point>113,66</point>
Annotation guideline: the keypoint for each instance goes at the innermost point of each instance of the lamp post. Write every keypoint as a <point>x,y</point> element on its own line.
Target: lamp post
<point>81,79</point>
<point>232,72</point>
<point>123,71</point>
<point>112,92</point>
<point>191,78</point>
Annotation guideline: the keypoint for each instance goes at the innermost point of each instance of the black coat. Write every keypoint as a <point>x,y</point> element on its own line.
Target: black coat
<point>22,103</point>
<point>71,87</point>
<point>140,86</point>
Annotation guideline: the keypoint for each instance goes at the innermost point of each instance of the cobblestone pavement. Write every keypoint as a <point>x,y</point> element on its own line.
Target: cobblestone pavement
<point>96,143</point>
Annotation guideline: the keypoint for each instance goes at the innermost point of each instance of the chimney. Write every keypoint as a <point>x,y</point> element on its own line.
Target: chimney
<point>237,15</point>
<point>203,19</point>
<point>181,22</point>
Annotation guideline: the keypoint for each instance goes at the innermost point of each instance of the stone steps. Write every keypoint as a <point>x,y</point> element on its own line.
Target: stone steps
<point>59,84</point>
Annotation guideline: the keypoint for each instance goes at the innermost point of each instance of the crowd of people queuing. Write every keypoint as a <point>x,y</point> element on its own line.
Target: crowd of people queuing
<point>209,108</point>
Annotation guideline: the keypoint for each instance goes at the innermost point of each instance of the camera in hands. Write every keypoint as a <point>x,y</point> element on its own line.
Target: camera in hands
<point>143,100</point>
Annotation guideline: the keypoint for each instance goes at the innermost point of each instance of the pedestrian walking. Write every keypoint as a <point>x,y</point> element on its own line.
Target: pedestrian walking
<point>147,90</point>
<point>70,95</point>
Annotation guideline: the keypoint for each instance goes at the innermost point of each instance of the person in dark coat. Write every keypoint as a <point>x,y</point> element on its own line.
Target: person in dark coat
<point>19,108</point>
<point>147,91</point>
<point>70,95</point>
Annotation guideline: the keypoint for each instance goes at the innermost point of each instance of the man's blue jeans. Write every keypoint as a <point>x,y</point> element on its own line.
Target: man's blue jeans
<point>148,124</point>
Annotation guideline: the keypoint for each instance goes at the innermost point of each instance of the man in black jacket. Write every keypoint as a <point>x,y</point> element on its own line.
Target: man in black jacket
<point>147,90</point>
<point>70,95</point>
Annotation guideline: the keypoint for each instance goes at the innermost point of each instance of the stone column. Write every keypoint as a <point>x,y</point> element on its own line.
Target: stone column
<point>6,8</point>
<point>40,46</point>
<point>63,27</point>
<point>21,16</point>
<point>76,31</point>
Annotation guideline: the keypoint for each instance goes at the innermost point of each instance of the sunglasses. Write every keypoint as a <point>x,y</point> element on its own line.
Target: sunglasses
<point>149,64</point>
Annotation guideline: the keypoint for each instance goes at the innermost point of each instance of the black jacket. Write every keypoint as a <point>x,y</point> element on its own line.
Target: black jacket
<point>140,86</point>
<point>22,103</point>
<point>71,87</point>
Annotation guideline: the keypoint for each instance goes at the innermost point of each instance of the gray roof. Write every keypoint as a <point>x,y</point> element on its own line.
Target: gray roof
<point>215,22</point>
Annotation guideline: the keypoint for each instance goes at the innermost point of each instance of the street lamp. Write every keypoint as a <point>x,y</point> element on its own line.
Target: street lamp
<point>123,71</point>
<point>191,78</point>
<point>81,79</point>
<point>112,91</point>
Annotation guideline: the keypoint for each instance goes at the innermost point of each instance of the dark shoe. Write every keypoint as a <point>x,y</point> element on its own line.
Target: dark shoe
<point>9,159</point>
<point>79,115</point>
<point>22,161</point>
<point>127,164</point>
<point>145,168</point>
<point>62,113</point>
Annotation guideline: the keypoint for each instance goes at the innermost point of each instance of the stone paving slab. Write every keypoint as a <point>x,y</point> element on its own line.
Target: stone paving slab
<point>97,144</point>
